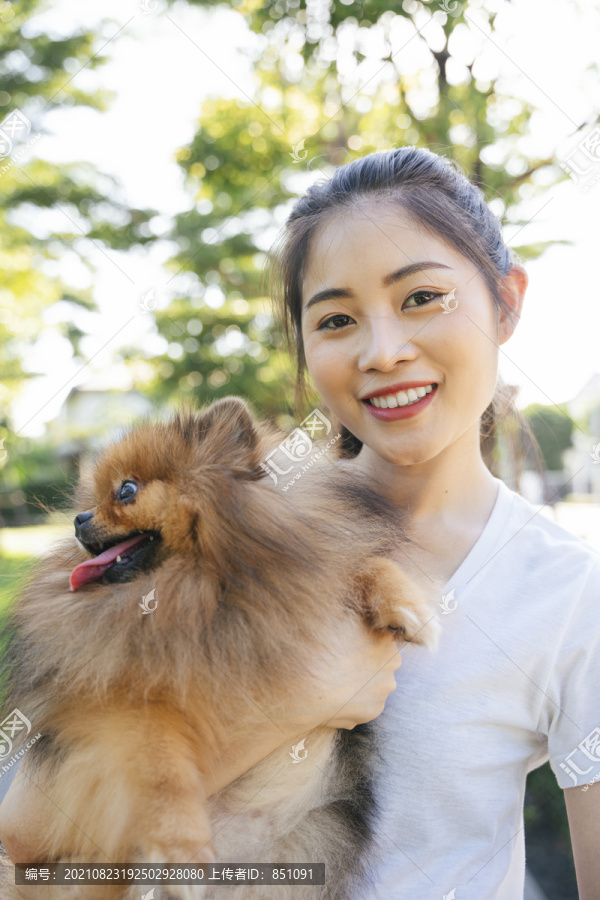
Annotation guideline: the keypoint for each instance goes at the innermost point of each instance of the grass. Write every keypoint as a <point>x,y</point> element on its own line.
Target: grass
<point>13,575</point>
<point>19,548</point>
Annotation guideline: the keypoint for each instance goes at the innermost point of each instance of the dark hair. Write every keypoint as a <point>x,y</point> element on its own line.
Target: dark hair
<point>433,190</point>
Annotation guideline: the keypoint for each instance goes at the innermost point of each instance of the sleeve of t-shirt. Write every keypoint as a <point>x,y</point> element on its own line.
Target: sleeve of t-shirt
<point>573,692</point>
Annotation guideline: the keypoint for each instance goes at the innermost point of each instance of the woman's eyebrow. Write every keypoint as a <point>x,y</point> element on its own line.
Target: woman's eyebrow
<point>404,272</point>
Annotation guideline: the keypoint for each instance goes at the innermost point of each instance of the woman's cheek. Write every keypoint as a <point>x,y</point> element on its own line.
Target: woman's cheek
<point>325,365</point>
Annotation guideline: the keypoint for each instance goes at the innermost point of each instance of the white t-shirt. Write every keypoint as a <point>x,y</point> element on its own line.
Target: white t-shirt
<point>515,682</point>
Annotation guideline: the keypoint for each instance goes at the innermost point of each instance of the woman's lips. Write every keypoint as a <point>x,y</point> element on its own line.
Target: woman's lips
<point>401,412</point>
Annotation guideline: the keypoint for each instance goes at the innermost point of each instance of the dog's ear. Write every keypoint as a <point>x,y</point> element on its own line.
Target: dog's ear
<point>230,422</point>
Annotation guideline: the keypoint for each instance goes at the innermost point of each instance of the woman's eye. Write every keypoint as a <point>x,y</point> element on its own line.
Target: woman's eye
<point>325,324</point>
<point>127,490</point>
<point>422,297</point>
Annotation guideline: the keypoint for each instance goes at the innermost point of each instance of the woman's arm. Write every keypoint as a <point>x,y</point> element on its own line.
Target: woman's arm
<point>583,810</point>
<point>26,814</point>
<point>347,687</point>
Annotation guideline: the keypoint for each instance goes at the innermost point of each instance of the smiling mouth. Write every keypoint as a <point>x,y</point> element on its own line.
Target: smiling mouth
<point>116,561</point>
<point>401,398</point>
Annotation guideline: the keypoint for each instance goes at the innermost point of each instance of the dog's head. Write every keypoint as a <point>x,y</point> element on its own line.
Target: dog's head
<point>162,490</point>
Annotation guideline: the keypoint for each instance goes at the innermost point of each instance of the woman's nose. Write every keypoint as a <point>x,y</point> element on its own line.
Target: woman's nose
<point>385,342</point>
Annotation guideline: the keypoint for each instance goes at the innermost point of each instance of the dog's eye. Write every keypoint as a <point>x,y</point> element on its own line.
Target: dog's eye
<point>127,490</point>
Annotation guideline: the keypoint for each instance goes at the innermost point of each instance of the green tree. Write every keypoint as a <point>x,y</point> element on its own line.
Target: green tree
<point>329,85</point>
<point>46,212</point>
<point>37,75</point>
<point>552,430</point>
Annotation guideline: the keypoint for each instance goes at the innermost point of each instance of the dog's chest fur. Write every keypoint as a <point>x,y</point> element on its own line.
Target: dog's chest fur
<point>327,816</point>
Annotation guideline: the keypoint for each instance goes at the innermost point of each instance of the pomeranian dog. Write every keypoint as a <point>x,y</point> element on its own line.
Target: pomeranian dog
<point>181,618</point>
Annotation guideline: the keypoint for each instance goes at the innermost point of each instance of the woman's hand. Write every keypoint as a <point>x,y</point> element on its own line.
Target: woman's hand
<point>25,819</point>
<point>347,687</point>
<point>351,685</point>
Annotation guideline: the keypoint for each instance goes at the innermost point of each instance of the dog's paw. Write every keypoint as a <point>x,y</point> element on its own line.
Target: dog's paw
<point>172,855</point>
<point>397,604</point>
<point>418,625</point>
<point>166,892</point>
<point>173,892</point>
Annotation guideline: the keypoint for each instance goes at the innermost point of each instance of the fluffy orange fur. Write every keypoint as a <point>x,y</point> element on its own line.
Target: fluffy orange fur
<point>136,711</point>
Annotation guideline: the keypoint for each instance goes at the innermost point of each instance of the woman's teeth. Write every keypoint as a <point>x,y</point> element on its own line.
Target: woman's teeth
<point>401,398</point>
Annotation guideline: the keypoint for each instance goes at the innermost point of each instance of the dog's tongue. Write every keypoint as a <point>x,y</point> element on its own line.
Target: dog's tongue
<point>93,569</point>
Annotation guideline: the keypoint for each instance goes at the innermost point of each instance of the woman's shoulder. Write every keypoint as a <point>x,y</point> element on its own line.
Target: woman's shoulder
<point>547,538</point>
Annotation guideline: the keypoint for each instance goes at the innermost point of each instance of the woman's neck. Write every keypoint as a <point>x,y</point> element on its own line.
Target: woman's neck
<point>451,483</point>
<point>449,500</point>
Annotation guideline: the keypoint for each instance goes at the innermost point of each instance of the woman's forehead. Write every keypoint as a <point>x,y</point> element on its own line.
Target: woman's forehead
<point>378,234</point>
<point>366,213</point>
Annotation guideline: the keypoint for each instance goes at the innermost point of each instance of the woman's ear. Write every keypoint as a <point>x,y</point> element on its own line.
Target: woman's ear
<point>512,290</point>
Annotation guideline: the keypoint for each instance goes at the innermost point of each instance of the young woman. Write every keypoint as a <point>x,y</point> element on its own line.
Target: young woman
<point>397,291</point>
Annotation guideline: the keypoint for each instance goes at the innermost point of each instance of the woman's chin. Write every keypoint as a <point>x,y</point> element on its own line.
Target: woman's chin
<point>397,456</point>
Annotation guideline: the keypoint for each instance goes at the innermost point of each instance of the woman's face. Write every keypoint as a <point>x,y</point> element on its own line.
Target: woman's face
<point>385,329</point>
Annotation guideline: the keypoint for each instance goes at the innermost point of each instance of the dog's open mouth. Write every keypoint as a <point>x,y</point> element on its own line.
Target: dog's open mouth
<point>114,562</point>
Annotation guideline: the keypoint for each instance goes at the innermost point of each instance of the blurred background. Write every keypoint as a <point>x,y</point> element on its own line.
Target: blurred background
<point>151,151</point>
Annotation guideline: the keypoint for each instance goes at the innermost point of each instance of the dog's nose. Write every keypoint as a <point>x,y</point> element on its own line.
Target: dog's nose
<point>82,518</point>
